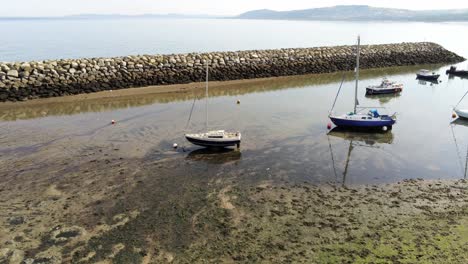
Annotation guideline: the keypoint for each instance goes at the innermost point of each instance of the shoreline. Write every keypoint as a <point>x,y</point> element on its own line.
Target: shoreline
<point>198,87</point>
<point>43,79</point>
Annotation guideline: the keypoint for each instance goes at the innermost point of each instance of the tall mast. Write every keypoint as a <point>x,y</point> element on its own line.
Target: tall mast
<point>357,72</point>
<point>206,97</point>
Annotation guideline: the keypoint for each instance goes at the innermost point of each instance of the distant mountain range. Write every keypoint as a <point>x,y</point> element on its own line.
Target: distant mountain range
<point>334,13</point>
<point>110,16</point>
<point>359,13</point>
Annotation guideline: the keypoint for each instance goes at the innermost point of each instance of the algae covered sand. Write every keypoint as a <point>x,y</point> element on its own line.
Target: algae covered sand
<point>165,213</point>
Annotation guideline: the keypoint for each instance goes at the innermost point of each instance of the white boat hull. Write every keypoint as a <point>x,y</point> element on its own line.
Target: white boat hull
<point>463,113</point>
<point>218,139</point>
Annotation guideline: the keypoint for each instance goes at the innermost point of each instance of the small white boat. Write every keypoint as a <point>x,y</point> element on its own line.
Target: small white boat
<point>386,87</point>
<point>463,113</point>
<point>427,75</point>
<point>216,138</point>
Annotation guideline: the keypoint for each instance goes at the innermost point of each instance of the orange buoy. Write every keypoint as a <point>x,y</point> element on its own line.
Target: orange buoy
<point>329,125</point>
<point>454,115</point>
<point>238,101</point>
<point>113,122</point>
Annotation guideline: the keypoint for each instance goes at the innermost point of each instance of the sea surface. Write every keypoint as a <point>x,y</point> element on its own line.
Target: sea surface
<point>25,40</point>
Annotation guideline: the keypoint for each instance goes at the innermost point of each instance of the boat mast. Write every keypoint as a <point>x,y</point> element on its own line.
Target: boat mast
<point>206,97</point>
<point>357,73</point>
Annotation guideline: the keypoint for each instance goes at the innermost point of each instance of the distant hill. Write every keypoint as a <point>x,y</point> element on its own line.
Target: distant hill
<point>110,16</point>
<point>359,13</point>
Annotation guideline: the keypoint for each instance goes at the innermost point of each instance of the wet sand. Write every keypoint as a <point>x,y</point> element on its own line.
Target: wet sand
<point>109,209</point>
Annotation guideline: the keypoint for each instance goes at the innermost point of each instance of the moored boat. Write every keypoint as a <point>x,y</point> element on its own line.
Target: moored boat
<point>386,87</point>
<point>358,118</point>
<point>463,113</point>
<point>453,71</point>
<point>215,138</point>
<point>427,75</point>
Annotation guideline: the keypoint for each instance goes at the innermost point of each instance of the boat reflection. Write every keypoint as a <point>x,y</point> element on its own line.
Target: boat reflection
<point>214,155</point>
<point>362,136</point>
<point>383,98</point>
<point>460,121</point>
<point>452,76</point>
<point>463,165</point>
<point>427,82</point>
<point>356,139</point>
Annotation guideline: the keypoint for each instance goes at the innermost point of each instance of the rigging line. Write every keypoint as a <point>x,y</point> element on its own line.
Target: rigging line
<point>336,97</point>
<point>461,99</point>
<point>191,111</point>
<point>457,149</point>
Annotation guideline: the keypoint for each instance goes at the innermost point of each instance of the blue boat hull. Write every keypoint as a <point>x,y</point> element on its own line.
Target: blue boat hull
<point>340,122</point>
<point>428,77</point>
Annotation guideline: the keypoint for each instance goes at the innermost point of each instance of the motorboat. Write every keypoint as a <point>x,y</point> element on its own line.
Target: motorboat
<point>453,71</point>
<point>214,138</point>
<point>385,87</point>
<point>427,75</point>
<point>366,117</point>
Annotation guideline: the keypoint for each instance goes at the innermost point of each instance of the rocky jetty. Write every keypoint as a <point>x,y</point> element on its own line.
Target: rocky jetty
<point>38,79</point>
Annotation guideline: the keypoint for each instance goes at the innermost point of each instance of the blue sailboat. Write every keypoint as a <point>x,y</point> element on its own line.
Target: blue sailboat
<point>362,117</point>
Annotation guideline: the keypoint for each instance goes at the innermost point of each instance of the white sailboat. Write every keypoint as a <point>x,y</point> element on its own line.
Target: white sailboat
<point>463,113</point>
<point>358,118</point>
<point>214,138</point>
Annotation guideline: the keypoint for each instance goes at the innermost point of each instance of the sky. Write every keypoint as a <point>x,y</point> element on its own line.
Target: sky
<point>37,8</point>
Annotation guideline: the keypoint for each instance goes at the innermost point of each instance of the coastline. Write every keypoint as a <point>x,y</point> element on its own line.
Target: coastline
<point>115,99</point>
<point>43,79</point>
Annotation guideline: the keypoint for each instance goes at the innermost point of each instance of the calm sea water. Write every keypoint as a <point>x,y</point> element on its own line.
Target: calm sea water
<point>53,39</point>
<point>283,121</point>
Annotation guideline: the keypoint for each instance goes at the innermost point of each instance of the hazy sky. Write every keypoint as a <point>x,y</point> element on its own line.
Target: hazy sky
<point>218,7</point>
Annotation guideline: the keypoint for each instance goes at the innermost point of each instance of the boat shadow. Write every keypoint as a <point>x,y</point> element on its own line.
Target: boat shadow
<point>214,155</point>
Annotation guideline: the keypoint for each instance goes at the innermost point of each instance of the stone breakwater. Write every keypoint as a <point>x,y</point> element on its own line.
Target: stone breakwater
<point>38,79</point>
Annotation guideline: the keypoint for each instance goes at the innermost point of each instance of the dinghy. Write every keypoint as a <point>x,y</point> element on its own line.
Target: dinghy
<point>215,138</point>
<point>367,117</point>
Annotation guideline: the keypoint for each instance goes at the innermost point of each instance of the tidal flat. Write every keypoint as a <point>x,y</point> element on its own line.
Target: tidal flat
<point>110,209</point>
<point>75,188</point>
